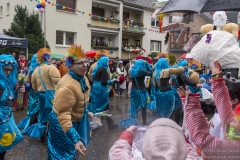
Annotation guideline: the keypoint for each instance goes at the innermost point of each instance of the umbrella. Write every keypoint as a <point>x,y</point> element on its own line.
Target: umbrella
<point>200,6</point>
<point>145,57</point>
<point>183,56</point>
<point>57,56</point>
<point>91,54</point>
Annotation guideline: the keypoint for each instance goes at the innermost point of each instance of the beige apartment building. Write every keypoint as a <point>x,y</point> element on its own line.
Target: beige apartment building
<point>96,23</point>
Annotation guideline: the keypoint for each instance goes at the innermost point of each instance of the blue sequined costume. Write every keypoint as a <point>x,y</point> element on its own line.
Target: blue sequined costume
<point>139,97</point>
<point>167,99</point>
<point>33,100</point>
<point>60,144</point>
<point>38,130</point>
<point>100,93</point>
<point>9,133</point>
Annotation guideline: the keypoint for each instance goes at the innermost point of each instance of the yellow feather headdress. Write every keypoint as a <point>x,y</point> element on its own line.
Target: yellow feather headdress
<point>163,55</point>
<point>102,53</point>
<point>74,53</point>
<point>194,63</point>
<point>43,54</point>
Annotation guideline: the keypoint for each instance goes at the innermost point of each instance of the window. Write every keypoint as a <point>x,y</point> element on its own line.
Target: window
<point>155,46</point>
<point>98,11</point>
<point>125,16</point>
<point>8,9</point>
<point>64,38</point>
<point>155,22</point>
<point>198,34</point>
<point>187,18</point>
<point>68,3</point>
<point>173,37</point>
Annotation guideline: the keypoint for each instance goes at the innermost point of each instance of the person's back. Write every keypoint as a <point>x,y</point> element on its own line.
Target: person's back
<point>50,76</point>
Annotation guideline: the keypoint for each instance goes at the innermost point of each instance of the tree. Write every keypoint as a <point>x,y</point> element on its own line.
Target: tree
<point>26,25</point>
<point>172,59</point>
<point>153,55</point>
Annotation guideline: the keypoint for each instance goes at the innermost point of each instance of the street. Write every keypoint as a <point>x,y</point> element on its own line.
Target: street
<point>101,142</point>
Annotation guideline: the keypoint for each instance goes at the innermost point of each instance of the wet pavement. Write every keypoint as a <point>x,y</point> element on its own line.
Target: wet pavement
<point>101,142</point>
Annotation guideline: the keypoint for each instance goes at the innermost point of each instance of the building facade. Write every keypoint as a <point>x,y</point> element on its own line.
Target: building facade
<point>96,24</point>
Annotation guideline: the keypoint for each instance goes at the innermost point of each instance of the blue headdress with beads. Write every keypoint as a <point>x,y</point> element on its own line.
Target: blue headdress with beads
<point>11,79</point>
<point>183,63</point>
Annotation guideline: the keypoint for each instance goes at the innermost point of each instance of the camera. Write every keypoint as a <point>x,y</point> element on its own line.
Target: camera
<point>230,76</point>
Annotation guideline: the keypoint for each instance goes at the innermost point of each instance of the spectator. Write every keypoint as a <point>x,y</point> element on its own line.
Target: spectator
<point>121,80</point>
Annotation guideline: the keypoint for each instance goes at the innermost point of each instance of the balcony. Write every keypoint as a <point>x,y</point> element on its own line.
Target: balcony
<point>104,22</point>
<point>133,29</point>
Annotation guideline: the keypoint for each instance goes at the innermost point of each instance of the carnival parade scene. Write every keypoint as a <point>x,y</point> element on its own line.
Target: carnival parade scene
<point>119,80</point>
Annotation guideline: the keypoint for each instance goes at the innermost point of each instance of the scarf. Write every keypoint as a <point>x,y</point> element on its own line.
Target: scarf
<point>22,62</point>
<point>80,80</point>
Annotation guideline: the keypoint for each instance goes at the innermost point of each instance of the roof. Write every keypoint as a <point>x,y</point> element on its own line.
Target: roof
<point>140,3</point>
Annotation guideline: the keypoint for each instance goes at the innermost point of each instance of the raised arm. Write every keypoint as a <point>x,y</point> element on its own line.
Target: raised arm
<point>223,104</point>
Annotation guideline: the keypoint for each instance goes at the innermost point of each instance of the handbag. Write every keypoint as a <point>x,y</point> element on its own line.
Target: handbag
<point>83,128</point>
<point>49,94</point>
<point>122,78</point>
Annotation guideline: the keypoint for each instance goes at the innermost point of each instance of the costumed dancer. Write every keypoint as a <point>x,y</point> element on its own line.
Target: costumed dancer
<point>182,79</point>
<point>194,77</point>
<point>10,135</point>
<point>113,71</point>
<point>68,120</point>
<point>33,100</point>
<point>167,100</point>
<point>102,53</point>
<point>43,80</point>
<point>100,91</point>
<point>139,95</point>
<point>22,96</point>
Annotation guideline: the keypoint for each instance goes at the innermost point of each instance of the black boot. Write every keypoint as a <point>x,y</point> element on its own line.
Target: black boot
<point>110,124</point>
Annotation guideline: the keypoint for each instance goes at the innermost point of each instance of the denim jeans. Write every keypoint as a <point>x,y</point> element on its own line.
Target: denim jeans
<point>119,90</point>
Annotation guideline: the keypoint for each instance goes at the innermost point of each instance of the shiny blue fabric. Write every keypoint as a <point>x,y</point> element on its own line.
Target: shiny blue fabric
<point>37,130</point>
<point>102,62</point>
<point>161,64</point>
<point>195,90</point>
<point>138,65</point>
<point>9,133</point>
<point>60,144</point>
<point>33,108</point>
<point>139,99</point>
<point>11,80</point>
<point>167,102</point>
<point>83,128</point>
<point>34,63</point>
<point>152,105</point>
<point>81,80</point>
<point>99,97</point>
<point>183,63</point>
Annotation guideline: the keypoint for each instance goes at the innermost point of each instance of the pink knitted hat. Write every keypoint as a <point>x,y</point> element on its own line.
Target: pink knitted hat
<point>164,140</point>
